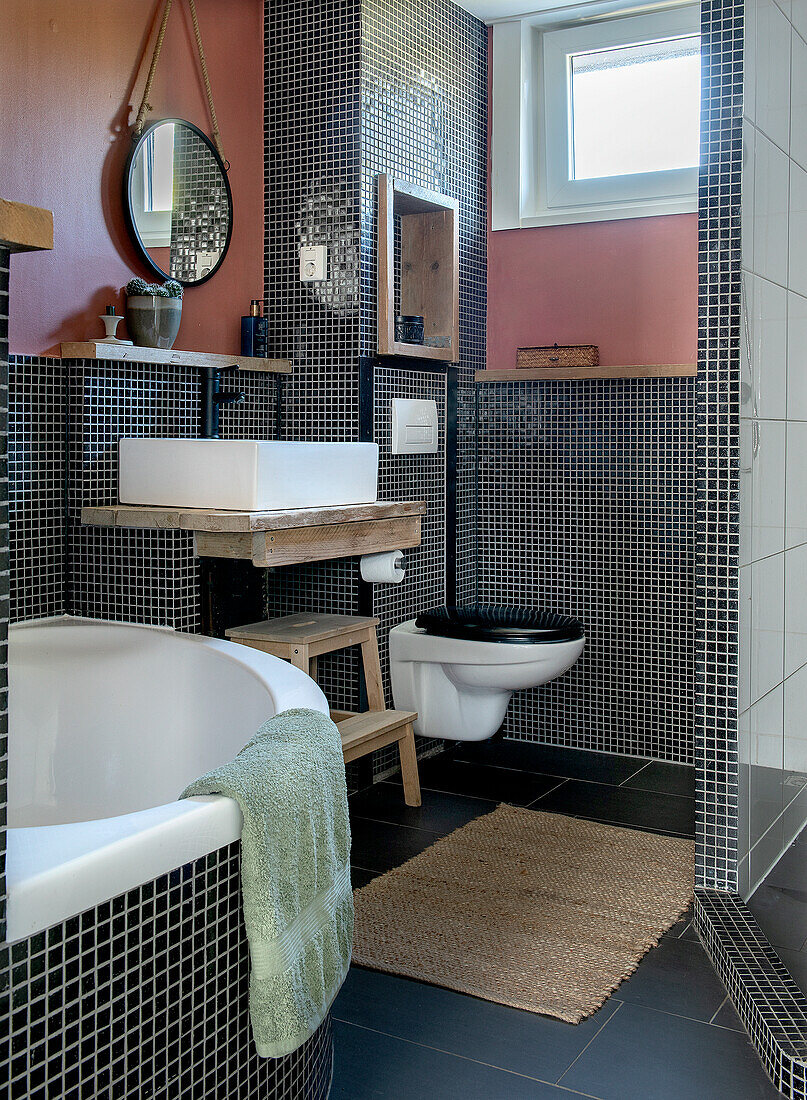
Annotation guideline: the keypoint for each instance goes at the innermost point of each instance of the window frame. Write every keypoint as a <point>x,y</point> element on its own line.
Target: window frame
<point>530,126</point>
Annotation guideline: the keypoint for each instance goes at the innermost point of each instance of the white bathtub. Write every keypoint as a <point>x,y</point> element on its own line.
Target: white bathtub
<point>108,724</point>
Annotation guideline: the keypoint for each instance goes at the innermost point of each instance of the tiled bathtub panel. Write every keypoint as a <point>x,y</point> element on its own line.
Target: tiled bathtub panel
<point>146,996</point>
<point>36,457</point>
<point>585,508</point>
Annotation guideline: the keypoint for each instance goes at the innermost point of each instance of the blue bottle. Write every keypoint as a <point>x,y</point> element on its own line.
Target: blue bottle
<point>255,332</point>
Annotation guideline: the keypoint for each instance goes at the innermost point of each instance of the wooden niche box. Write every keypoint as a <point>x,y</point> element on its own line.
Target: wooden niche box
<point>419,229</point>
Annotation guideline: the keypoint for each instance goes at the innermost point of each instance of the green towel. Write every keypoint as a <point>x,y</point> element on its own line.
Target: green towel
<point>289,782</point>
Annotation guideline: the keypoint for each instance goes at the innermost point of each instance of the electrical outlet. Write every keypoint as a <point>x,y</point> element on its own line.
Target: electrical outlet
<point>313,263</point>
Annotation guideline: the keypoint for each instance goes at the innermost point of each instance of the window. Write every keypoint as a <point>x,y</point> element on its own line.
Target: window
<point>158,170</point>
<point>601,120</point>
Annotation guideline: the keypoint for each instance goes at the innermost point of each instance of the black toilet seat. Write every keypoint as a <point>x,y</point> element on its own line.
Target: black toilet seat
<point>484,622</point>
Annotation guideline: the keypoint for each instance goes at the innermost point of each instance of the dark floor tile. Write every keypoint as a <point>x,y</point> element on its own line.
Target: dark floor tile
<point>641,1054</point>
<point>727,1017</point>
<point>675,977</point>
<point>446,773</point>
<point>665,778</point>
<point>371,1066</point>
<point>440,811</point>
<point>602,767</point>
<point>782,915</point>
<point>360,877</point>
<point>796,963</point>
<point>523,1042</point>
<point>681,927</point>
<point>662,813</point>
<point>379,846</point>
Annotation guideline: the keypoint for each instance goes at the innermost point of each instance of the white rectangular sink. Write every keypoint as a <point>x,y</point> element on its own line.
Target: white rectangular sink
<point>245,474</point>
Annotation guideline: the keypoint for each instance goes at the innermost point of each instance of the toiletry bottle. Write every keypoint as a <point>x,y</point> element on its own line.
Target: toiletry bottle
<point>255,332</point>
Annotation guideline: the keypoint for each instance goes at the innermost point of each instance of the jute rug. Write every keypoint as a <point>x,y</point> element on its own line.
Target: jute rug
<point>536,910</point>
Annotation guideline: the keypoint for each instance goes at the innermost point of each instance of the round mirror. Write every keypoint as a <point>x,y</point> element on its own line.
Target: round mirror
<point>178,202</point>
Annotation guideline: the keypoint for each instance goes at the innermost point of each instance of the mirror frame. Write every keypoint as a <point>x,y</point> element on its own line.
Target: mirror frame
<point>128,174</point>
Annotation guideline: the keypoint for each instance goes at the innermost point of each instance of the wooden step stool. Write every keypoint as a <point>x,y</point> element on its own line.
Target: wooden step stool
<point>301,639</point>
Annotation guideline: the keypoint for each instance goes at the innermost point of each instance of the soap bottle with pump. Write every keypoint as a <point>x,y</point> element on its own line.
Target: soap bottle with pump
<point>255,332</point>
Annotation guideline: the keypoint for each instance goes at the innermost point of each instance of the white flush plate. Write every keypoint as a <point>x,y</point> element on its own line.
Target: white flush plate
<point>414,427</point>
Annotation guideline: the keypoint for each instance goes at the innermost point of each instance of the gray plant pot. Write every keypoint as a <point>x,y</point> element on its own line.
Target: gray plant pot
<point>153,321</point>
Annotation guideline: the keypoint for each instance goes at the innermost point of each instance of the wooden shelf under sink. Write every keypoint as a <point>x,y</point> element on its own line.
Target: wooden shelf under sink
<point>277,538</point>
<point>131,353</point>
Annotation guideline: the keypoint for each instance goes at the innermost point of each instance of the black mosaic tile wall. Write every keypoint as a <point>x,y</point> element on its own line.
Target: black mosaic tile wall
<point>424,120</point>
<point>354,89</point>
<point>4,582</point>
<point>717,403</point>
<point>36,473</point>
<point>147,996</point>
<point>585,508</point>
<point>312,134</point>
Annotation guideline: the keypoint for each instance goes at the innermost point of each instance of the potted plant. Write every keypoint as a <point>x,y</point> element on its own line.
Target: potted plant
<point>153,312</point>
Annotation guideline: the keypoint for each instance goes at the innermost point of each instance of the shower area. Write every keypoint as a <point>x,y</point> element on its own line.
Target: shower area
<point>751,523</point>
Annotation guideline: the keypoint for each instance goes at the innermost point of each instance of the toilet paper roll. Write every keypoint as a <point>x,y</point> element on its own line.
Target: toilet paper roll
<point>387,568</point>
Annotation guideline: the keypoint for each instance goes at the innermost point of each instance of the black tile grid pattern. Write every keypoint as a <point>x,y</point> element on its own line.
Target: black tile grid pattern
<point>351,90</point>
<point>393,1033</point>
<point>312,127</point>
<point>717,404</point>
<point>200,216</point>
<point>585,508</point>
<point>769,1003</point>
<point>36,479</point>
<point>146,996</point>
<point>4,582</point>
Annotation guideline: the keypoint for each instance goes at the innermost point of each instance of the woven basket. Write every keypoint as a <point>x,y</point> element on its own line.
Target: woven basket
<point>574,355</point>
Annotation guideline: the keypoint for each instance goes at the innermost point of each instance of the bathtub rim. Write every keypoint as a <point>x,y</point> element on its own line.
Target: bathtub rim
<point>54,872</point>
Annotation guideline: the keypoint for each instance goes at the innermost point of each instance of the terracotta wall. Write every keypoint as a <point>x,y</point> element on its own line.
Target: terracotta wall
<point>630,287</point>
<point>71,84</point>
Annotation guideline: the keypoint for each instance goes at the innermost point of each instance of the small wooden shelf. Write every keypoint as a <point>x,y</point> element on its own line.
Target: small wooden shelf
<point>569,374</point>
<point>25,228</point>
<point>272,539</point>
<point>130,353</point>
<point>427,228</point>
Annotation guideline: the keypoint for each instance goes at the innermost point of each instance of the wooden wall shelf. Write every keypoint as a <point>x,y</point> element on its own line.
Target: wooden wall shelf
<point>129,353</point>
<point>25,228</point>
<point>569,374</point>
<point>272,539</point>
<point>429,274</point>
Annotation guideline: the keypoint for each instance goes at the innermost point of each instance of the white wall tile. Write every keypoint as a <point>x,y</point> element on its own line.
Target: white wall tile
<point>796,357</point>
<point>773,73</point>
<point>797,279</point>
<point>798,96</point>
<point>767,625</point>
<point>796,484</point>
<point>769,349</point>
<point>798,16</point>
<point>744,646</point>
<point>749,436</point>
<point>768,488</point>
<point>749,60</point>
<point>795,609</point>
<point>771,174</point>
<point>795,748</point>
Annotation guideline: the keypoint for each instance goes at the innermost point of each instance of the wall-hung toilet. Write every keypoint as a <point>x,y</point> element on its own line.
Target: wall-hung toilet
<point>458,666</point>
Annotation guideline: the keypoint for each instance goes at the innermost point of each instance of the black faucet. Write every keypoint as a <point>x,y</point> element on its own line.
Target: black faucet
<point>213,397</point>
